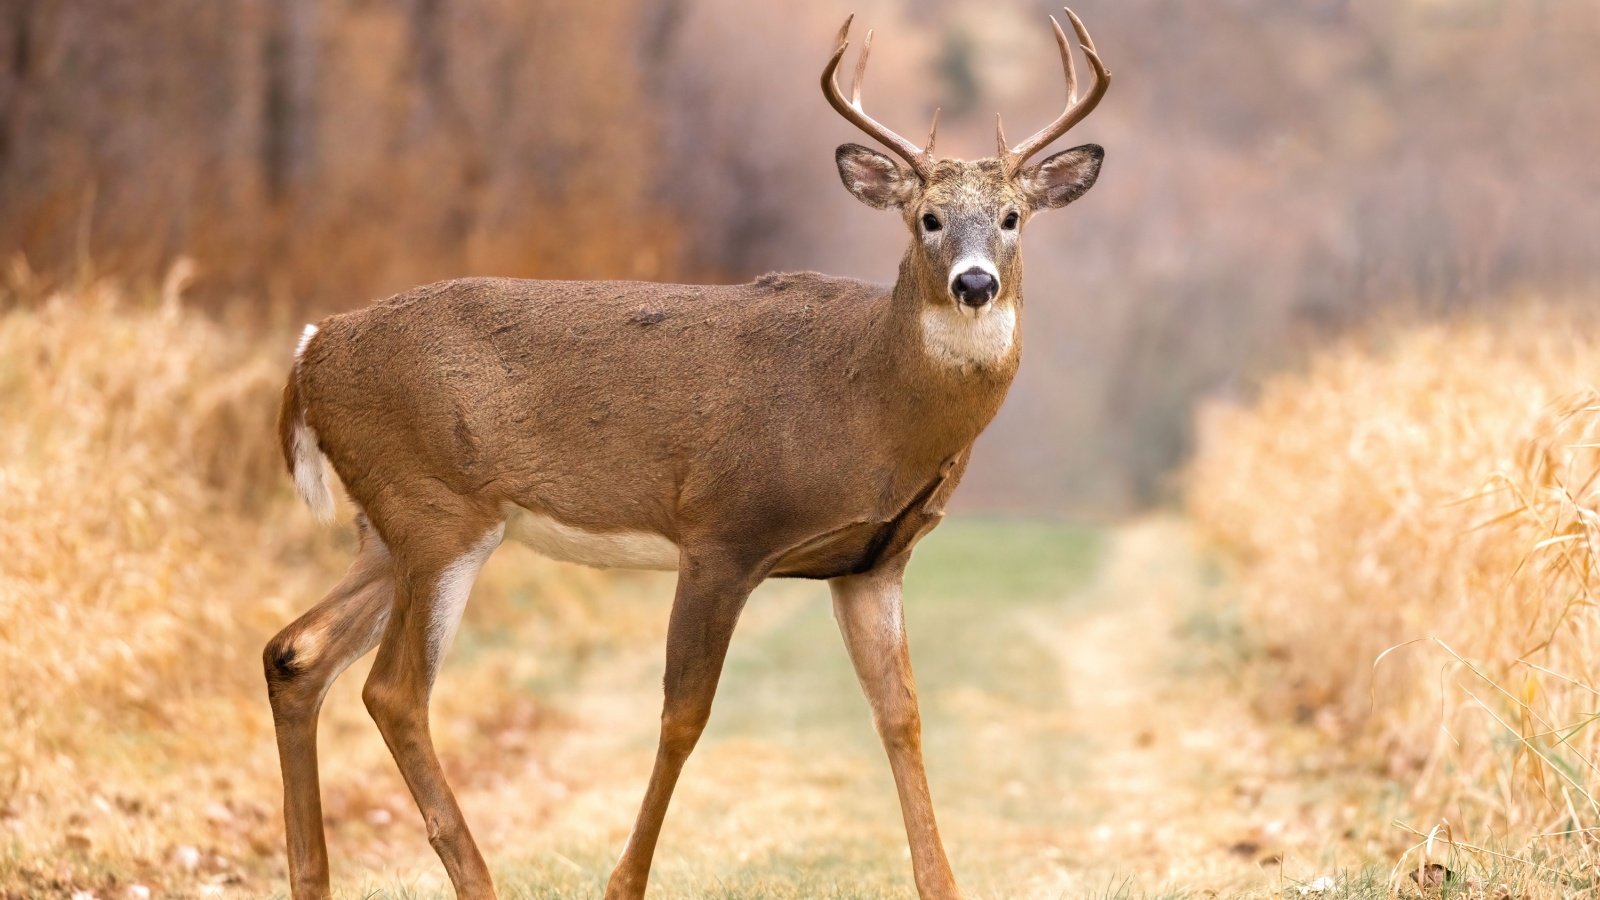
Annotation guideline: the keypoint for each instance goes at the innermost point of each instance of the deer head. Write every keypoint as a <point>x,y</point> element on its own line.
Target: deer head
<point>966,217</point>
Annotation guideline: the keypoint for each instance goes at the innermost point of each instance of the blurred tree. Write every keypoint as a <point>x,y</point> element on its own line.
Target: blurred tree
<point>959,84</point>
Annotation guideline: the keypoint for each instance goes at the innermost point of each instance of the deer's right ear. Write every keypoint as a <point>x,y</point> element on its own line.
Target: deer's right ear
<point>875,179</point>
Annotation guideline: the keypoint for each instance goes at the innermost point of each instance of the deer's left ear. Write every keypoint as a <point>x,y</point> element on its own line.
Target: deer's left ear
<point>1062,178</point>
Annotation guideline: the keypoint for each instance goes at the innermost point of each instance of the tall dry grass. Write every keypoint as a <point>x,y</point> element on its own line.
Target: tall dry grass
<point>146,550</point>
<point>1412,524</point>
<point>149,545</point>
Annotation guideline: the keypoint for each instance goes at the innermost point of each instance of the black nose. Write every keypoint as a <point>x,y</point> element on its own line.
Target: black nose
<point>975,287</point>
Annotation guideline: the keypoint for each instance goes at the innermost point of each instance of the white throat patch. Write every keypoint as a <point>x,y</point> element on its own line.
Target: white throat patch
<point>965,338</point>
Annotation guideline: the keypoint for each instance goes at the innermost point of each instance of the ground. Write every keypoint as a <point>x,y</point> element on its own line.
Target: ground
<point>1084,733</point>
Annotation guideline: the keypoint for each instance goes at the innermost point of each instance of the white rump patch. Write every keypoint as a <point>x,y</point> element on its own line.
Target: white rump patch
<point>305,341</point>
<point>965,338</point>
<point>601,549</point>
<point>310,474</point>
<point>450,594</point>
<point>310,477</point>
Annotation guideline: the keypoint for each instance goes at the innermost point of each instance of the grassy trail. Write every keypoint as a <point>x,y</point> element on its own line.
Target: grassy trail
<point>1081,742</point>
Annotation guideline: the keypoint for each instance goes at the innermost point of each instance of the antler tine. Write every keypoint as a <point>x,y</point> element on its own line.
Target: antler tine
<point>1077,25</point>
<point>921,161</point>
<point>933,131</point>
<point>861,71</point>
<point>1076,109</point>
<point>1068,67</point>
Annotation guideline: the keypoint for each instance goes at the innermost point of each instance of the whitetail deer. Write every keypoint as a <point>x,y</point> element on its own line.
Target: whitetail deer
<point>801,426</point>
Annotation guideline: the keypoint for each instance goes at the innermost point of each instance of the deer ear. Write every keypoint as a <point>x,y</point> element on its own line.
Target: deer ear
<point>1062,178</point>
<point>873,178</point>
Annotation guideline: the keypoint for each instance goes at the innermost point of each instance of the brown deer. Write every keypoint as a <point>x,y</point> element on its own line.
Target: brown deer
<point>802,426</point>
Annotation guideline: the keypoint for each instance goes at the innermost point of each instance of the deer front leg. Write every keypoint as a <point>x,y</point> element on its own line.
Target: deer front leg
<point>872,621</point>
<point>711,593</point>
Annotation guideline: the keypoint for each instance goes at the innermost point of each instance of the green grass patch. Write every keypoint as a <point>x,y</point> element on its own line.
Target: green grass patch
<point>968,591</point>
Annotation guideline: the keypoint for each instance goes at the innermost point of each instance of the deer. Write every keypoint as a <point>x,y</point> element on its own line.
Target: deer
<point>799,426</point>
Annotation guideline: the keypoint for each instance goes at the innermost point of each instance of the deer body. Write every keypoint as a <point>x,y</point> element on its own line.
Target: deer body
<point>802,425</point>
<point>796,417</point>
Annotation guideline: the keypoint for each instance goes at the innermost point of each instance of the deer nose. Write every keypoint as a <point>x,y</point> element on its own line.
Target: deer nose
<point>974,287</point>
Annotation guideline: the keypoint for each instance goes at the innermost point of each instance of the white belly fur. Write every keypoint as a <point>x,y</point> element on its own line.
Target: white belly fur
<point>601,549</point>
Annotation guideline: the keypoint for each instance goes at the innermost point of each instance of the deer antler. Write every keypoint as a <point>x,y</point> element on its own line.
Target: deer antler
<point>920,160</point>
<point>1014,157</point>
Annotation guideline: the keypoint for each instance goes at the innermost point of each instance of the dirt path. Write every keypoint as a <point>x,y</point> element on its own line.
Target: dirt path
<point>1188,792</point>
<point>1081,742</point>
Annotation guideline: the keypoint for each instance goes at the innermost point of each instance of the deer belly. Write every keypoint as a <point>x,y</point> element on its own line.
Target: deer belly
<point>601,549</point>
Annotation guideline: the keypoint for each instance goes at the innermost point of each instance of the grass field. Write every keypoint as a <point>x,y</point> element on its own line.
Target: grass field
<point>1078,745</point>
<point>788,794</point>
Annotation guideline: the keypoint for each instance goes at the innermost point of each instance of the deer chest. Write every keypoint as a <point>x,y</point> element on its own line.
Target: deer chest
<point>858,546</point>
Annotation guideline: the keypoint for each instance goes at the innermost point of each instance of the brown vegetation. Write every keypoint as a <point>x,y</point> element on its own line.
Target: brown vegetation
<point>1412,527</point>
<point>137,466</point>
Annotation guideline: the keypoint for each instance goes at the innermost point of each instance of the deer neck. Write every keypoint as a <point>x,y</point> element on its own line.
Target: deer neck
<point>951,369</point>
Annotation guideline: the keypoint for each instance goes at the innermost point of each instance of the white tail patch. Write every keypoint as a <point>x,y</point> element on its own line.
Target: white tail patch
<point>305,341</point>
<point>310,474</point>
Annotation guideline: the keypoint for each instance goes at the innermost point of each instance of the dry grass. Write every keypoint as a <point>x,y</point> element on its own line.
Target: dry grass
<point>1433,491</point>
<point>150,547</point>
<point>142,559</point>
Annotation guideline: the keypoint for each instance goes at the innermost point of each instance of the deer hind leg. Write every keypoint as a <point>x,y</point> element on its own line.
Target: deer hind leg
<point>301,662</point>
<point>437,566</point>
<point>868,609</point>
<point>710,595</point>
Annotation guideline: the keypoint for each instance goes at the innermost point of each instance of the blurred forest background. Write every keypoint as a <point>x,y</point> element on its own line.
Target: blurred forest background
<point>1334,295</point>
<point>1276,171</point>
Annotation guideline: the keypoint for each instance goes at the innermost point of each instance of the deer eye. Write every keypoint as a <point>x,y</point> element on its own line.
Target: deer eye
<point>1009,223</point>
<point>930,222</point>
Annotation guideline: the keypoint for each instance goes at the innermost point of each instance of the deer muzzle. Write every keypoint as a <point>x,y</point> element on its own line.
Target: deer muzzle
<point>974,286</point>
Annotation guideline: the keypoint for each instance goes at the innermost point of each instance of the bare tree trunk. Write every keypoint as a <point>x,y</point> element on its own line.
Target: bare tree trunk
<point>287,107</point>
<point>17,56</point>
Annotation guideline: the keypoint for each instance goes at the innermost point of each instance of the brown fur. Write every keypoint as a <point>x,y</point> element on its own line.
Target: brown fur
<point>690,412</point>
